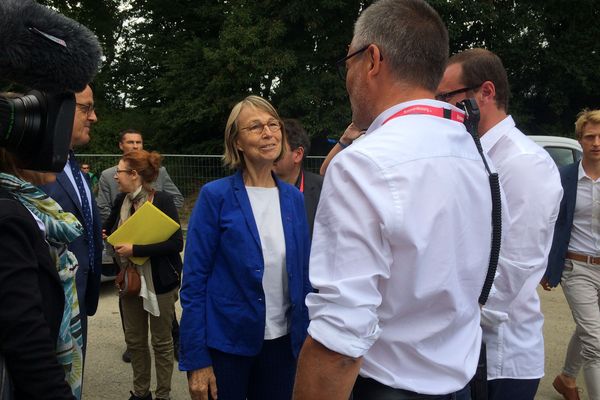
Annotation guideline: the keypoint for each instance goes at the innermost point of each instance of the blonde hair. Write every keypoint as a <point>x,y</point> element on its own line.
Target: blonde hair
<point>232,157</point>
<point>583,118</point>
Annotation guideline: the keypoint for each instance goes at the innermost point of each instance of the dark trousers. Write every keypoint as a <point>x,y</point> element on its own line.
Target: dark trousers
<point>370,389</point>
<point>268,375</point>
<point>512,389</point>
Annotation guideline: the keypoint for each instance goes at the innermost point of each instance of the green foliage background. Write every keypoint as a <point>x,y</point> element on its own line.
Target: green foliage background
<point>174,68</point>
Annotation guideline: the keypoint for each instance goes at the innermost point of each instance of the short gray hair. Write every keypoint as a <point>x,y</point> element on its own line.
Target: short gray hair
<point>411,36</point>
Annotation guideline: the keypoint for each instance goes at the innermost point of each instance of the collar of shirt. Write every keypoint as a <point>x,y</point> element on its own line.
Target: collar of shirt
<point>492,136</point>
<point>69,173</point>
<point>378,122</point>
<point>583,175</point>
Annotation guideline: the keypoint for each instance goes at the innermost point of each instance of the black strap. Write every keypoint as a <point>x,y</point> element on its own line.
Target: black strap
<point>472,122</point>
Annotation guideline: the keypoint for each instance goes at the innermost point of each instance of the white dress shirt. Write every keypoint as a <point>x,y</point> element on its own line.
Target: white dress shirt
<point>511,320</point>
<point>400,246</point>
<point>585,234</point>
<point>88,193</point>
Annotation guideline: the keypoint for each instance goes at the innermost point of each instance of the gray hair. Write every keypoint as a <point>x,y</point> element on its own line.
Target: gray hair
<point>411,36</point>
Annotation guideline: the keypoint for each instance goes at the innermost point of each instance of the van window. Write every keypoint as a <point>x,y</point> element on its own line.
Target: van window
<point>563,155</point>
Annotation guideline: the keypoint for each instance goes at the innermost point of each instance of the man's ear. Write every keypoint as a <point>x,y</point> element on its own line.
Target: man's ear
<point>376,58</point>
<point>298,155</point>
<point>488,92</point>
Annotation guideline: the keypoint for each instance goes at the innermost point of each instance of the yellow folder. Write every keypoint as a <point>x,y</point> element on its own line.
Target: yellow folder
<point>148,225</point>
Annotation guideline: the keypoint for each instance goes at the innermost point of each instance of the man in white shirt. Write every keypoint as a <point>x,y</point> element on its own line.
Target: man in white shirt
<point>402,231</point>
<point>574,260</point>
<point>511,319</point>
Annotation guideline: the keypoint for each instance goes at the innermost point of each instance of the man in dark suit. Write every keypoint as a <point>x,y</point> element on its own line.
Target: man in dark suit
<point>73,192</point>
<point>289,168</point>
<point>574,259</point>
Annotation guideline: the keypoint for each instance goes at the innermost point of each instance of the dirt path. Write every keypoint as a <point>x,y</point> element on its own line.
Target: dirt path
<point>107,377</point>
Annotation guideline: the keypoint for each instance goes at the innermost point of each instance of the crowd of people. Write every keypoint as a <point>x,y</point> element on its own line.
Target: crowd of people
<point>361,283</point>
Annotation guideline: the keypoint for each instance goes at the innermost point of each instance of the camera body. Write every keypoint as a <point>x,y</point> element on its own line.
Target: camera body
<point>37,128</point>
<point>43,50</point>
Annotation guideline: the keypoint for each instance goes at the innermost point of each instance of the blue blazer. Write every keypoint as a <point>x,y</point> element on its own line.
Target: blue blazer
<point>222,294</point>
<point>562,230</point>
<point>87,281</point>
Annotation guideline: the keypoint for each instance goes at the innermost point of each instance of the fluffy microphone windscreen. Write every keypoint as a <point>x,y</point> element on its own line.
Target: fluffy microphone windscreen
<point>45,50</point>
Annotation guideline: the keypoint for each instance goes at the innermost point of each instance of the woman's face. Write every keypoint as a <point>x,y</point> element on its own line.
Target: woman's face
<point>259,137</point>
<point>127,179</point>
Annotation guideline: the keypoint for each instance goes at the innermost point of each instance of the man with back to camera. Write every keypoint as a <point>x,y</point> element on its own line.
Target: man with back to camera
<point>74,195</point>
<point>574,260</point>
<point>512,321</point>
<point>290,168</point>
<point>131,139</point>
<point>402,231</point>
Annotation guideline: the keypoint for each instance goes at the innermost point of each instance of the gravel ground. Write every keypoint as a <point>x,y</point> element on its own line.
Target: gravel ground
<point>107,377</point>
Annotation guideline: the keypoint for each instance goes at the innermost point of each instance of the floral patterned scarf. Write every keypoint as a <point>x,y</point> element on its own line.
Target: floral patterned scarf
<point>61,228</point>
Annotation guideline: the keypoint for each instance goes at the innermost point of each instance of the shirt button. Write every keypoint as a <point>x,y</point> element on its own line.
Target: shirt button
<point>260,299</point>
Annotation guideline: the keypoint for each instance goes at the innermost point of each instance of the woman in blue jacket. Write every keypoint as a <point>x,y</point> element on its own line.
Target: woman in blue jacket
<point>246,269</point>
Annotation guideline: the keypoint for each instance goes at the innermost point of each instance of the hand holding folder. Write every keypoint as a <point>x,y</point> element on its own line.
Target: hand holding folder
<point>148,225</point>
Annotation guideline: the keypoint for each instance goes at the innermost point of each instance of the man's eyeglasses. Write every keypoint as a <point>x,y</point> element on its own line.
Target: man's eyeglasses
<point>258,128</point>
<point>341,64</point>
<point>86,108</point>
<point>448,95</point>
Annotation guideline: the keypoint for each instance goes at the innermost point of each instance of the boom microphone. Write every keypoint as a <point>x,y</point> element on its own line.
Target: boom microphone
<point>45,50</point>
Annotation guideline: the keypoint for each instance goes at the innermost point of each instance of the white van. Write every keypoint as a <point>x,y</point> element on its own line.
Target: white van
<point>562,150</point>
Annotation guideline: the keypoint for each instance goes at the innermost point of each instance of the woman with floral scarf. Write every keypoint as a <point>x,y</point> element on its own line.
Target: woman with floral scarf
<point>40,327</point>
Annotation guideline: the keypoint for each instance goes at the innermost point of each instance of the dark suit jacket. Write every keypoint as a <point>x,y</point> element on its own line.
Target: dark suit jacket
<point>31,306</point>
<point>88,282</point>
<point>564,223</point>
<point>312,192</point>
<point>165,260</point>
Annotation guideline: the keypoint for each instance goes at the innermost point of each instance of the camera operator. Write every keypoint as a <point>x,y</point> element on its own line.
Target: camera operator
<point>40,323</point>
<point>37,286</point>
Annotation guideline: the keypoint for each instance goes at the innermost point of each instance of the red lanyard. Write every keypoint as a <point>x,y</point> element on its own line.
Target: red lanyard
<point>429,110</point>
<point>301,187</point>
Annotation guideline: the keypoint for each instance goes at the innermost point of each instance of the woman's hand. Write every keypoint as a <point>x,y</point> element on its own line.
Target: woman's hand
<point>124,250</point>
<point>104,235</point>
<point>201,382</point>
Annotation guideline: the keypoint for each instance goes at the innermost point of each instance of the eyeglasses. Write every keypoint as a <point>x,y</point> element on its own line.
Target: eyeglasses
<point>118,171</point>
<point>341,64</point>
<point>448,95</point>
<point>258,128</point>
<point>86,108</point>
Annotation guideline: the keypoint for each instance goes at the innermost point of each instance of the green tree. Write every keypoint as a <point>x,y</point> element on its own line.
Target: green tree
<point>173,69</point>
